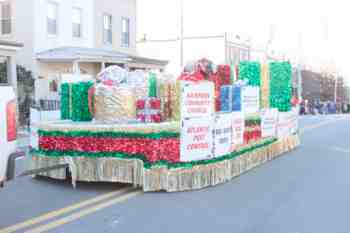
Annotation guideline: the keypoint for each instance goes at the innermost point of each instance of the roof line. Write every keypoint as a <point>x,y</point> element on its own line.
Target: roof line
<point>11,43</point>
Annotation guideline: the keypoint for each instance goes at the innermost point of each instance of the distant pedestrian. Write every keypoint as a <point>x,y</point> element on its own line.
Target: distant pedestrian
<point>306,106</point>
<point>312,107</point>
<point>339,107</point>
<point>329,107</point>
<point>324,108</point>
<point>294,101</point>
<point>319,106</point>
<point>302,107</point>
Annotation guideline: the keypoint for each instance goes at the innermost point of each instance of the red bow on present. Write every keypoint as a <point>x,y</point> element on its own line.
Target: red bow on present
<point>194,77</point>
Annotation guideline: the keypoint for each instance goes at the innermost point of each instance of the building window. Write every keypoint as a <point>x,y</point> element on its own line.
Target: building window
<point>107,29</point>
<point>6,18</point>
<point>77,22</point>
<point>52,15</point>
<point>125,32</point>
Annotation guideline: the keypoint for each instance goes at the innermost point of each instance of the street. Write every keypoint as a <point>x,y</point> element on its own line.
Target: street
<point>305,191</point>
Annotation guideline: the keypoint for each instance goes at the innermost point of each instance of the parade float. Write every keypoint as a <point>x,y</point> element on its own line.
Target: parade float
<point>153,131</point>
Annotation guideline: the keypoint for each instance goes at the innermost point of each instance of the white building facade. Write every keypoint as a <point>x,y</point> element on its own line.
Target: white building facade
<point>71,36</point>
<point>31,22</point>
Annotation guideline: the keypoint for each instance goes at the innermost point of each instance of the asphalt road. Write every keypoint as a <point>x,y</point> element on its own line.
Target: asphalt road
<point>305,191</point>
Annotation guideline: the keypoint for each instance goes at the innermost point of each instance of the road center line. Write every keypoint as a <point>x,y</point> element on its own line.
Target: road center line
<point>318,125</point>
<point>339,149</point>
<point>62,211</point>
<point>84,212</point>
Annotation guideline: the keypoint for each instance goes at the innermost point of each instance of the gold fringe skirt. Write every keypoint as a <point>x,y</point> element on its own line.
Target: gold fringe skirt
<point>161,178</point>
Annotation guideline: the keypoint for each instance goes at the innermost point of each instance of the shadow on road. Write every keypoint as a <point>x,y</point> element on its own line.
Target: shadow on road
<point>81,186</point>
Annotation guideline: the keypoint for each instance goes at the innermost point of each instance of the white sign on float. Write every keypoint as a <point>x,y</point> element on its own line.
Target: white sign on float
<point>238,124</point>
<point>269,118</point>
<point>222,134</point>
<point>197,100</point>
<point>283,126</point>
<point>35,116</point>
<point>196,139</point>
<point>287,123</point>
<point>295,120</point>
<point>34,138</point>
<point>250,99</point>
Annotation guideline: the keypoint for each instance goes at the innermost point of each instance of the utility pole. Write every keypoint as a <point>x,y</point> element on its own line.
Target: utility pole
<point>336,86</point>
<point>300,81</point>
<point>181,34</point>
<point>326,30</point>
<point>226,49</point>
<point>272,30</point>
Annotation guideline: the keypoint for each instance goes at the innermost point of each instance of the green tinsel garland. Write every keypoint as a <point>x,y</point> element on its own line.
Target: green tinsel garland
<point>80,101</point>
<point>148,165</point>
<point>250,71</point>
<point>152,85</point>
<point>75,101</point>
<point>212,161</point>
<point>252,121</point>
<point>280,86</point>
<point>65,102</point>
<point>159,135</point>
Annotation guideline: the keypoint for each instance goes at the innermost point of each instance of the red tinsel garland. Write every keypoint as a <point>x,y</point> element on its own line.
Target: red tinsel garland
<point>154,149</point>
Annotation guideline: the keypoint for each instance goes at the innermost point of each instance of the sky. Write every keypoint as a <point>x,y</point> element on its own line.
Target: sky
<point>315,31</point>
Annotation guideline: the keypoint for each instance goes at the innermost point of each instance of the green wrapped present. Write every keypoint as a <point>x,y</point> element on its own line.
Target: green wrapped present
<point>280,86</point>
<point>76,101</point>
<point>250,71</point>
<point>152,85</point>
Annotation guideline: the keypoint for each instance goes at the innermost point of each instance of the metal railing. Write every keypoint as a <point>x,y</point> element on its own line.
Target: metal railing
<point>46,105</point>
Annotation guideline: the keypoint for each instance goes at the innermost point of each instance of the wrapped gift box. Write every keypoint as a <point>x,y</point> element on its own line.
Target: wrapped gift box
<point>230,98</point>
<point>115,104</point>
<point>148,110</point>
<point>221,78</point>
<point>167,94</point>
<point>76,101</point>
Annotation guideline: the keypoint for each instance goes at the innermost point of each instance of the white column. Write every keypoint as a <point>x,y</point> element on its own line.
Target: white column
<point>76,68</point>
<point>181,34</point>
<point>12,79</point>
<point>226,48</point>
<point>103,66</point>
<point>12,72</point>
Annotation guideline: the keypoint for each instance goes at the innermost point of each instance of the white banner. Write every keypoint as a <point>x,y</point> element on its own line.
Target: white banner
<point>287,123</point>
<point>50,115</point>
<point>222,134</point>
<point>37,116</point>
<point>250,99</point>
<point>197,100</point>
<point>269,118</point>
<point>295,120</point>
<point>34,138</point>
<point>283,126</point>
<point>196,139</point>
<point>238,124</point>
